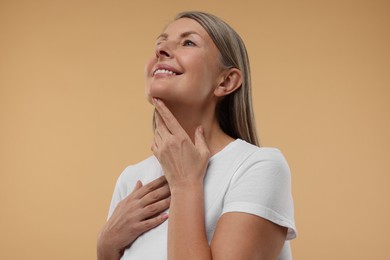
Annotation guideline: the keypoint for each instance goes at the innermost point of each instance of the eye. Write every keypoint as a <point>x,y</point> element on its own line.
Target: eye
<point>188,43</point>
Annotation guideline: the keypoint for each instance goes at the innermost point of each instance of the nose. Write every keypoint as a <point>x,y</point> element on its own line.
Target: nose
<point>163,50</point>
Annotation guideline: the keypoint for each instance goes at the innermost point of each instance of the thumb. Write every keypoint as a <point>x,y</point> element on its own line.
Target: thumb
<point>138,185</point>
<point>200,141</point>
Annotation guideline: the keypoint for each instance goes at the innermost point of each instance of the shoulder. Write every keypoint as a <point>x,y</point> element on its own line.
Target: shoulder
<point>242,147</point>
<point>147,164</point>
<point>241,157</point>
<point>145,171</point>
<point>263,171</point>
<point>265,157</point>
<point>262,186</point>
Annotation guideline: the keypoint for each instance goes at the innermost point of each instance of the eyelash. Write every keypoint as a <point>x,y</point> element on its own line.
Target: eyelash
<point>186,42</point>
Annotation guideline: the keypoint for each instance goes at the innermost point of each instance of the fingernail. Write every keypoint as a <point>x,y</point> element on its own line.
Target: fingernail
<point>155,100</point>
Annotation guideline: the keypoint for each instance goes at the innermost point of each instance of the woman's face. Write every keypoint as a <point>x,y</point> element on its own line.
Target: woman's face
<point>186,67</point>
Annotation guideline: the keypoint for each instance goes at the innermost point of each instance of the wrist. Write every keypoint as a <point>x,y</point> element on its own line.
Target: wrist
<point>183,188</point>
<point>105,250</point>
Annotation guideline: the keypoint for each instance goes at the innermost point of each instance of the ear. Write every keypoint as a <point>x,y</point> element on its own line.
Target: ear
<point>231,80</point>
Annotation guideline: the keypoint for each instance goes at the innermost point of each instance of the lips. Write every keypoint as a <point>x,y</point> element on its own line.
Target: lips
<point>163,69</point>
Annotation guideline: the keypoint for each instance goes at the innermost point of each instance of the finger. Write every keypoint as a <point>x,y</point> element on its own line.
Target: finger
<point>200,141</point>
<point>157,137</point>
<point>135,191</point>
<point>161,193</point>
<point>169,119</point>
<point>151,223</point>
<point>154,149</point>
<point>137,185</point>
<point>157,142</point>
<point>151,186</point>
<point>155,209</point>
<point>153,144</point>
<point>161,129</point>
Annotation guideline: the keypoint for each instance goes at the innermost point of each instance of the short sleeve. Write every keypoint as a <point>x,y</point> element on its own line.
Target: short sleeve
<point>120,192</point>
<point>262,187</point>
<point>145,171</point>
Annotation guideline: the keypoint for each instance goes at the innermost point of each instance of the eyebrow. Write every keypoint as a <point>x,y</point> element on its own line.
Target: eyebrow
<point>164,36</point>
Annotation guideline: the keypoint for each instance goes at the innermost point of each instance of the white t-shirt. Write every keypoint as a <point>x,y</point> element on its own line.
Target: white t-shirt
<point>240,178</point>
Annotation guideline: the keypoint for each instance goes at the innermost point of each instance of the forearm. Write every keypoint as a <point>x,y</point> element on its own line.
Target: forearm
<point>187,233</point>
<point>101,255</point>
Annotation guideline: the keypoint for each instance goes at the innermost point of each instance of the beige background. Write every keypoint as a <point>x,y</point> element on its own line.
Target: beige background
<point>73,115</point>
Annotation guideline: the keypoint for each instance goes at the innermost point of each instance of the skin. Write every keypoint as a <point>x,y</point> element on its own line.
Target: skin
<point>193,95</point>
<point>134,215</point>
<point>237,236</point>
<point>187,134</point>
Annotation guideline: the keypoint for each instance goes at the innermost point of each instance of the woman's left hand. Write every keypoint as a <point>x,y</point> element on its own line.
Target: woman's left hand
<point>184,163</point>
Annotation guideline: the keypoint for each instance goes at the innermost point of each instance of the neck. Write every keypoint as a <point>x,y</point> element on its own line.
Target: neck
<point>190,119</point>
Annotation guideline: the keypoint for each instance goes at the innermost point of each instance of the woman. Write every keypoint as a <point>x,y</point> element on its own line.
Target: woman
<point>226,197</point>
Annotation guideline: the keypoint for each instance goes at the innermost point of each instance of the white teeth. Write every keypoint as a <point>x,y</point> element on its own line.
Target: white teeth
<point>162,71</point>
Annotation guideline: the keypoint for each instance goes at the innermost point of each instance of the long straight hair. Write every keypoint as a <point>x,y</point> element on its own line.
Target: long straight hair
<point>235,111</point>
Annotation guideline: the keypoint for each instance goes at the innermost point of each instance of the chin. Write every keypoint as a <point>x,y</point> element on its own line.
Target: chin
<point>149,99</point>
<point>158,91</point>
<point>155,94</point>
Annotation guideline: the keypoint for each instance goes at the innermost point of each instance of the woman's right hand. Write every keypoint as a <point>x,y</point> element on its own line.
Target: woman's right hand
<point>139,212</point>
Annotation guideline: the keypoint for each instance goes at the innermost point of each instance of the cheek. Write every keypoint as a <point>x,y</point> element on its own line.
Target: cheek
<point>210,74</point>
<point>149,66</point>
<point>147,74</point>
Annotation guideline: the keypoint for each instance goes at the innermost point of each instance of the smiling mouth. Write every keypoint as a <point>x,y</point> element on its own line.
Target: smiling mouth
<point>165,72</point>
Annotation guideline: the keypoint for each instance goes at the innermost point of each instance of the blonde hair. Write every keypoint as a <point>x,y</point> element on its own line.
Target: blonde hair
<point>235,111</point>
